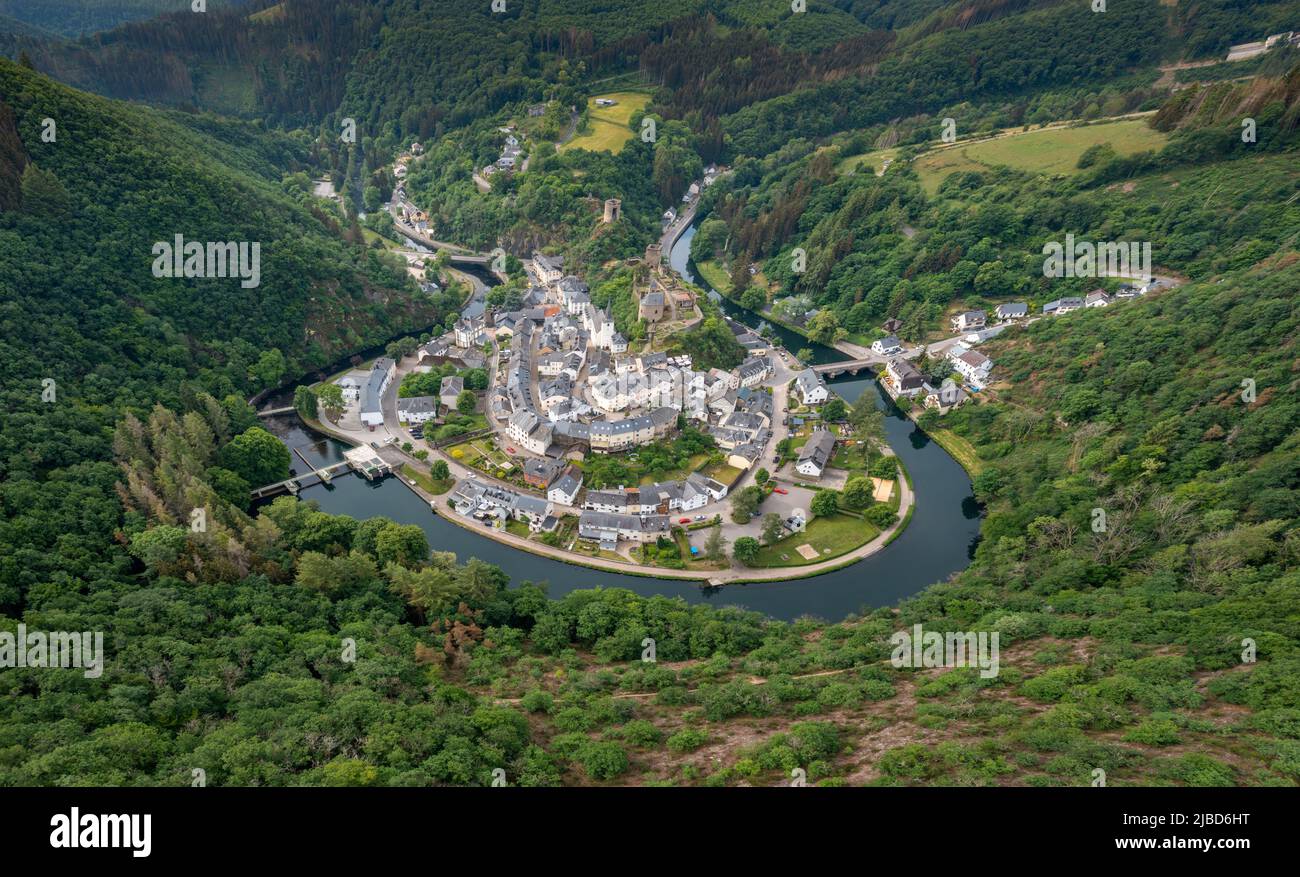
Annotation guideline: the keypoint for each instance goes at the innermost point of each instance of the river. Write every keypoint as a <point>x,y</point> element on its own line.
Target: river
<point>938,542</point>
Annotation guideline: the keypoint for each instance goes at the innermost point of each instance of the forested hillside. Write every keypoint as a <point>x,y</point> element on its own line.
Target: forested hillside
<point>72,18</point>
<point>883,247</point>
<point>1122,650</point>
<point>86,319</point>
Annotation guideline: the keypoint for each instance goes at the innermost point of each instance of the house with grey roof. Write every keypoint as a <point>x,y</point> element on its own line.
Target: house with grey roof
<point>541,471</point>
<point>967,320</point>
<point>564,490</point>
<point>753,371</point>
<point>608,528</point>
<point>372,392</point>
<point>887,346</point>
<point>1063,305</point>
<point>812,389</point>
<point>815,455</point>
<point>1015,310</point>
<point>612,501</point>
<point>449,390</point>
<point>472,496</point>
<point>549,268</point>
<point>903,378</point>
<point>416,409</point>
<point>716,489</point>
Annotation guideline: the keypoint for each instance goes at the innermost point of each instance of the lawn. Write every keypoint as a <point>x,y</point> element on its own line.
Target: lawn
<point>608,126</point>
<point>1046,150</point>
<point>850,457</point>
<point>437,486</point>
<point>875,159</point>
<point>959,449</point>
<point>592,549</point>
<point>468,453</point>
<point>712,272</point>
<point>697,562</point>
<point>830,537</point>
<point>723,473</point>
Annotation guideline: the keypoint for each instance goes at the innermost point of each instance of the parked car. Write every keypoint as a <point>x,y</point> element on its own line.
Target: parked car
<point>780,490</point>
<point>700,517</point>
<point>683,520</point>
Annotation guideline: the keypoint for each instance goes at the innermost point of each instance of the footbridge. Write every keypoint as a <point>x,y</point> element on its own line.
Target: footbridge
<point>298,482</point>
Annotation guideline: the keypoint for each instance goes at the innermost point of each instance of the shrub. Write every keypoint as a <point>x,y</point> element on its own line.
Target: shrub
<point>688,740</point>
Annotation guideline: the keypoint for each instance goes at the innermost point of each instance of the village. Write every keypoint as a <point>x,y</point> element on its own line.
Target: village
<point>542,425</point>
<point>970,370</point>
<point>558,425</point>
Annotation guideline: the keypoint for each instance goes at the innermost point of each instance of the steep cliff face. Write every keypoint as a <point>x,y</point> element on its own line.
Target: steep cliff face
<point>13,158</point>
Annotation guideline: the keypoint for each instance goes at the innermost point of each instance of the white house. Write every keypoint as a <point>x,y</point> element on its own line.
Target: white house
<point>372,393</point>
<point>351,388</point>
<point>1098,298</point>
<point>968,320</point>
<point>816,453</point>
<point>973,366</point>
<point>887,346</point>
<point>753,371</point>
<point>417,409</point>
<point>608,528</point>
<point>564,490</point>
<point>1015,310</point>
<point>469,331</point>
<point>472,495</point>
<point>716,489</point>
<point>812,389</point>
<point>549,268</point>
<point>1062,306</point>
<point>530,431</point>
<point>449,391</point>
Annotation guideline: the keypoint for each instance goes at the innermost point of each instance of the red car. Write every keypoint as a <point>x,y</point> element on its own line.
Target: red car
<point>683,520</point>
<point>780,490</point>
<point>510,450</point>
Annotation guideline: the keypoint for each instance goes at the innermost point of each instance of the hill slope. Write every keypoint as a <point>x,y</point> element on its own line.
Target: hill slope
<point>82,307</point>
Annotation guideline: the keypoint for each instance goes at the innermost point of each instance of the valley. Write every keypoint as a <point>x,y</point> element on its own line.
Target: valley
<point>873,395</point>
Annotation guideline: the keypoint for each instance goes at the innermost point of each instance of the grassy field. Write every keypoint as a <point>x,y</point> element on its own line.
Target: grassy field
<point>854,457</point>
<point>269,15</point>
<point>830,537</point>
<point>468,455</point>
<point>698,563</point>
<point>723,473</point>
<point>875,158</point>
<point>961,450</point>
<point>609,125</point>
<point>714,275</point>
<point>1047,150</point>
<point>437,486</point>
